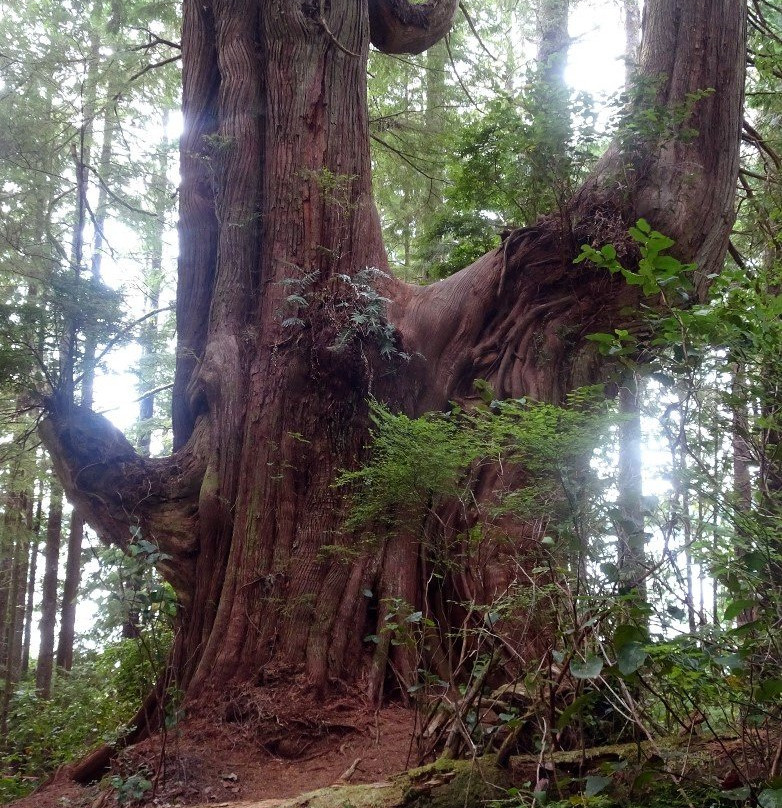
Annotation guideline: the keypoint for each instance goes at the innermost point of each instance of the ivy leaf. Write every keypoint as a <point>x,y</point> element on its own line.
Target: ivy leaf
<point>587,670</point>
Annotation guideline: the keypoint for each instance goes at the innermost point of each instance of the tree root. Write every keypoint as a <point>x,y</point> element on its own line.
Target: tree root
<point>146,721</point>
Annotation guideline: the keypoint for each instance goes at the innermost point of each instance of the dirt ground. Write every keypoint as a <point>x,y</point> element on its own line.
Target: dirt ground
<point>263,743</point>
<point>225,758</point>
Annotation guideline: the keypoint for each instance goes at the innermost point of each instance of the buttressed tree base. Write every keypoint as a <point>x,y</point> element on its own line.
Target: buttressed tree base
<point>276,195</point>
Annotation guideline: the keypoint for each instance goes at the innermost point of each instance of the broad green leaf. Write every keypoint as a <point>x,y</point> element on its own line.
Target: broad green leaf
<point>625,633</point>
<point>610,570</point>
<point>644,226</point>
<point>600,337</point>
<point>576,708</point>
<point>587,670</point>
<point>769,689</point>
<point>736,794</point>
<point>668,263</point>
<point>630,657</point>
<point>658,242</point>
<point>732,661</point>
<point>596,784</point>
<point>770,798</point>
<point>754,561</point>
<point>736,607</point>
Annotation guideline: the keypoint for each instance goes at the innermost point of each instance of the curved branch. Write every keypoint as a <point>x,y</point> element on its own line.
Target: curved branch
<point>519,316</point>
<point>120,492</point>
<point>399,26</point>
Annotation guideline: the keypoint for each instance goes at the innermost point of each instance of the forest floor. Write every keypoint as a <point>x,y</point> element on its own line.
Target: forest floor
<point>227,761</point>
<point>254,748</point>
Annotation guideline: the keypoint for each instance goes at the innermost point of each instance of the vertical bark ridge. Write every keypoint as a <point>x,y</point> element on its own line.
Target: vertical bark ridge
<point>197,222</point>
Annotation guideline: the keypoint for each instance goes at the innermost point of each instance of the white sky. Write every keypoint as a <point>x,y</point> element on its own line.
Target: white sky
<point>595,62</point>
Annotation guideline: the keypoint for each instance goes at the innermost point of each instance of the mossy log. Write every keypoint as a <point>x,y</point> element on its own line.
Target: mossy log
<point>444,784</point>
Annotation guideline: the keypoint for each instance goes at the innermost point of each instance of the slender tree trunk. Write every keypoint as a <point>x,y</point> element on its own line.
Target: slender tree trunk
<point>76,527</point>
<point>632,15</point>
<point>553,40</point>
<point>70,593</point>
<point>6,573</point>
<point>68,363</point>
<point>45,667</point>
<point>153,283</point>
<point>16,603</point>
<point>24,572</point>
<point>35,533</point>
<point>434,113</point>
<point>684,514</point>
<point>552,153</point>
<point>631,534</point>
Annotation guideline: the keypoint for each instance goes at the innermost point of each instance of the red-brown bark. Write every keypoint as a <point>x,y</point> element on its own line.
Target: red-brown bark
<point>400,26</point>
<point>270,395</point>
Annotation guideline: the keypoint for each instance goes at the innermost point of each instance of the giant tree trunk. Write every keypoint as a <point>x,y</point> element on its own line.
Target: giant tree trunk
<point>277,231</point>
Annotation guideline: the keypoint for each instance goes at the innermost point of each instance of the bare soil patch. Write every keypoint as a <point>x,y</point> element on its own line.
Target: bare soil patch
<point>255,744</point>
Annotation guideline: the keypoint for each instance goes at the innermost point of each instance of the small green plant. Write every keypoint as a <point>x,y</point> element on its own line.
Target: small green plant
<point>91,704</point>
<point>131,789</point>
<point>357,311</point>
<point>640,116</point>
<point>367,321</point>
<point>657,271</point>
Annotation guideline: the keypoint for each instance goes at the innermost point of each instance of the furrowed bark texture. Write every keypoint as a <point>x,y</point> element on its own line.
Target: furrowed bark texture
<point>279,236</point>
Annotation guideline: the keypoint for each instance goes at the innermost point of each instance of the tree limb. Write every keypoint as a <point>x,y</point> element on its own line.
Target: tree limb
<point>122,492</point>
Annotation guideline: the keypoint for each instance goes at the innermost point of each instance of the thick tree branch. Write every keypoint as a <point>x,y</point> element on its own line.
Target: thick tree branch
<point>526,306</point>
<point>122,492</point>
<point>399,26</point>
